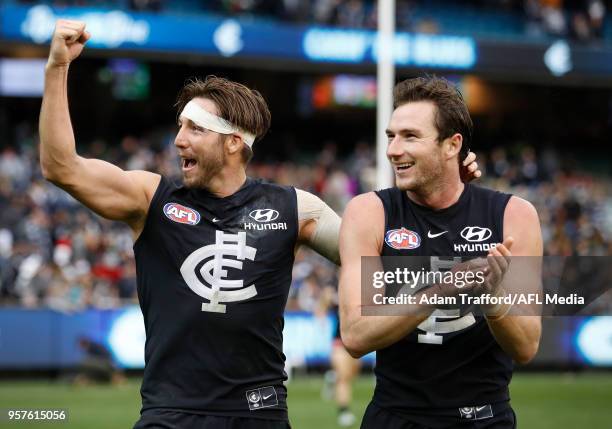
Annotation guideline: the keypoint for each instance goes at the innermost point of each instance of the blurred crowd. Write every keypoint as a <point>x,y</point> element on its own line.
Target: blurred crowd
<point>54,253</point>
<point>582,20</point>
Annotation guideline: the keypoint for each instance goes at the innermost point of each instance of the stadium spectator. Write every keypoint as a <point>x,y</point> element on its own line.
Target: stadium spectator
<point>582,20</point>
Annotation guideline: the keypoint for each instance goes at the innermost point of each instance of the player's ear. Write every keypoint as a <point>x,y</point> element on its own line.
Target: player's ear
<point>453,145</point>
<point>233,144</point>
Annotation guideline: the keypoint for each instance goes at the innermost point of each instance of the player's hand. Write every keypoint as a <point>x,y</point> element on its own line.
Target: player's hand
<point>67,43</point>
<point>499,261</point>
<point>469,168</point>
<point>464,282</point>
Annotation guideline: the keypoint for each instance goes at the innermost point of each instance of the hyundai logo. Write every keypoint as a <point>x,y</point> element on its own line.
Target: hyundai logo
<point>264,215</point>
<point>475,233</point>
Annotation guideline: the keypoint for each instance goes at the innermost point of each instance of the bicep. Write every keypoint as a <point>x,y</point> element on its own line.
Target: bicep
<point>360,232</point>
<point>521,222</point>
<point>109,191</point>
<point>525,273</point>
<point>319,225</point>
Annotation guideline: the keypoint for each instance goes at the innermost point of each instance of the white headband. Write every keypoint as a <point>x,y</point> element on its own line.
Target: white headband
<point>205,119</point>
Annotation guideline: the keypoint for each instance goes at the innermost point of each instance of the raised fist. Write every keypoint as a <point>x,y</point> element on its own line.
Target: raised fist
<point>67,43</point>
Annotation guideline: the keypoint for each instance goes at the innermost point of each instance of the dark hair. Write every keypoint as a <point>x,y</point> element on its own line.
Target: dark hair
<point>452,115</point>
<point>243,107</point>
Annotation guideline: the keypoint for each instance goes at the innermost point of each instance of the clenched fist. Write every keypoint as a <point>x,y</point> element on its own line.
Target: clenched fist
<point>68,41</point>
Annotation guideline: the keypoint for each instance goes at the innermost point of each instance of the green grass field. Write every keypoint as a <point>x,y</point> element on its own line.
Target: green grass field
<point>550,401</point>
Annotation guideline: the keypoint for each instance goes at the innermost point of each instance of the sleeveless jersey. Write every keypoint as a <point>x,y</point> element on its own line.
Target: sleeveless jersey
<point>213,280</point>
<point>451,360</point>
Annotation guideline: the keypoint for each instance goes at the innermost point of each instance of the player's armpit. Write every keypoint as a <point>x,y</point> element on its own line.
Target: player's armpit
<point>319,225</point>
<point>108,190</point>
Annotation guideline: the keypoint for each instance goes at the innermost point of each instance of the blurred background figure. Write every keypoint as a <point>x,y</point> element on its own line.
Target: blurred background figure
<point>97,365</point>
<point>344,369</point>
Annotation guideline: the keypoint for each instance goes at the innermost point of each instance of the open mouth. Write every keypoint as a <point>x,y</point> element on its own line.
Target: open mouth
<point>189,163</point>
<point>403,167</point>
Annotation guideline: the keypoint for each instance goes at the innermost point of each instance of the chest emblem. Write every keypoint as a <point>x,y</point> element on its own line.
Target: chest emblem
<point>264,220</point>
<point>181,214</point>
<point>264,215</point>
<point>475,234</point>
<point>211,262</point>
<point>402,239</point>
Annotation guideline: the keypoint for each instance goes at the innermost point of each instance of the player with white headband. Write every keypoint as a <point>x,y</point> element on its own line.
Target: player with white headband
<point>214,123</point>
<point>214,255</point>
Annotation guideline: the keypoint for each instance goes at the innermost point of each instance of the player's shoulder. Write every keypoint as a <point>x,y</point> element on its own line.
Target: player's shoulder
<point>363,224</point>
<point>388,193</point>
<point>146,178</point>
<point>271,186</point>
<point>486,200</point>
<point>487,193</point>
<point>147,181</point>
<point>368,200</point>
<point>169,187</point>
<point>520,208</point>
<point>364,208</point>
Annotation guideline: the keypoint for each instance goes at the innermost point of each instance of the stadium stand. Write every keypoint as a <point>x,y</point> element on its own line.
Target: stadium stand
<point>56,254</point>
<point>583,20</point>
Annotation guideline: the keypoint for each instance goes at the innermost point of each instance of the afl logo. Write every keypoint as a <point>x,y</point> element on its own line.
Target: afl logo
<point>264,215</point>
<point>181,214</point>
<point>402,239</point>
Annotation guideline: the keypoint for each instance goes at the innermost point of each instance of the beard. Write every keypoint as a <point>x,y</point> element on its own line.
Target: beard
<point>208,166</point>
<point>424,179</point>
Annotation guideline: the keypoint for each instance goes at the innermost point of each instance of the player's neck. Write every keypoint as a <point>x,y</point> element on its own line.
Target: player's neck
<point>443,195</point>
<point>227,182</point>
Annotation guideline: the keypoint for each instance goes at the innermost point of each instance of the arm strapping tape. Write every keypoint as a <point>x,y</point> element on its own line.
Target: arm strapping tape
<point>325,238</point>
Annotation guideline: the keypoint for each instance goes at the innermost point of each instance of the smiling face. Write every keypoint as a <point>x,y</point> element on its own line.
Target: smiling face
<point>413,147</point>
<point>201,150</point>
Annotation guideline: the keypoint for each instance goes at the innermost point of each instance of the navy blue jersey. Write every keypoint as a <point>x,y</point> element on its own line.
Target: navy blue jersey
<point>452,359</point>
<point>213,279</point>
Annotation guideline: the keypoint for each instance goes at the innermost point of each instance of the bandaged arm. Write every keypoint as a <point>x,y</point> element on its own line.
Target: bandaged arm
<point>319,225</point>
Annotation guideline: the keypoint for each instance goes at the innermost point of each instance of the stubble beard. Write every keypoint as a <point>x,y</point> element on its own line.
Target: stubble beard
<point>425,181</point>
<point>208,167</point>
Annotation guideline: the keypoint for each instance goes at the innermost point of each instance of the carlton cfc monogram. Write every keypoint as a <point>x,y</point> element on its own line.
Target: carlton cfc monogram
<point>214,274</point>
